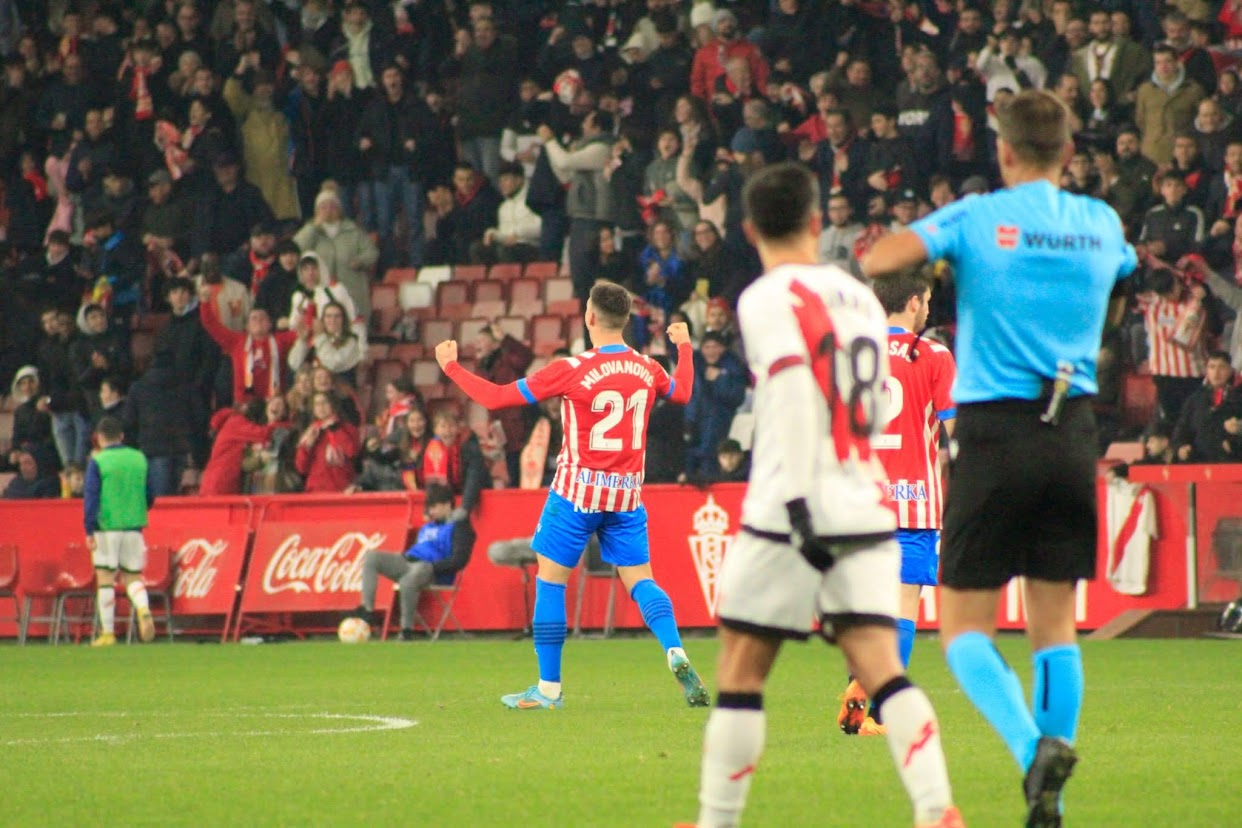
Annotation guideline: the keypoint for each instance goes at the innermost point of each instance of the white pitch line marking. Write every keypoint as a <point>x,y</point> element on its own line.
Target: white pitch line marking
<point>368,724</point>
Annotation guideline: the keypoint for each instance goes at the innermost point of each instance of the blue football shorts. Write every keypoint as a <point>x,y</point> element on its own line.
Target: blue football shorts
<point>920,555</point>
<point>564,530</point>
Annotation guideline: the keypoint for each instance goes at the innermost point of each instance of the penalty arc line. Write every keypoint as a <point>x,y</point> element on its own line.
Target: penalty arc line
<point>373,724</point>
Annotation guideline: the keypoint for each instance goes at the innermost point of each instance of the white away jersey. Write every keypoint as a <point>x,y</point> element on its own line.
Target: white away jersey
<point>819,316</point>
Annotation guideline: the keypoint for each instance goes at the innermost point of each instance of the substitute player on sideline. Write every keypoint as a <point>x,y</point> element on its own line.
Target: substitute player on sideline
<point>816,538</point>
<point>1034,269</point>
<point>116,496</point>
<point>607,395</point>
<point>918,402</point>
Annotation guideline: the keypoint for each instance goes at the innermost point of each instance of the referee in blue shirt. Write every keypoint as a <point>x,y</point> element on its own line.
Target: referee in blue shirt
<point>1034,268</point>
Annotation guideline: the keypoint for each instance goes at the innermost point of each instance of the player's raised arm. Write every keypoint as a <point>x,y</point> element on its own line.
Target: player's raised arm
<point>681,384</point>
<point>486,393</point>
<point>544,383</point>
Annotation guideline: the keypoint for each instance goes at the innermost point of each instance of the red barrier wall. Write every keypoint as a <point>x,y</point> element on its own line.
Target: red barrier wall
<point>299,554</point>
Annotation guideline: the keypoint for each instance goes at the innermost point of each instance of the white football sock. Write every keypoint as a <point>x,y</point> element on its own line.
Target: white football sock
<point>914,739</point>
<point>138,595</point>
<point>731,749</point>
<point>551,689</point>
<point>105,603</point>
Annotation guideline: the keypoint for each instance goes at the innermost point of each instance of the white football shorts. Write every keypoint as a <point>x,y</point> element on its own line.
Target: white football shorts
<point>120,550</point>
<point>768,588</point>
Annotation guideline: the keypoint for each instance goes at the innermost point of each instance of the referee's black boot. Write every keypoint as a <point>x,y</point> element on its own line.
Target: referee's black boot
<point>1054,762</point>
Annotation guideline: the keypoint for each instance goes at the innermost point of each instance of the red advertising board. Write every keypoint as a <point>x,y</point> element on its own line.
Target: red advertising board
<point>307,551</point>
<point>210,536</point>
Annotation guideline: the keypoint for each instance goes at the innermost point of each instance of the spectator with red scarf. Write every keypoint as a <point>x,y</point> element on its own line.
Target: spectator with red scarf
<point>465,214</point>
<point>1209,429</point>
<point>840,159</point>
<point>251,262</point>
<point>327,448</point>
<point>402,398</point>
<point>1224,200</point>
<point>457,463</point>
<point>257,355</point>
<point>710,60</point>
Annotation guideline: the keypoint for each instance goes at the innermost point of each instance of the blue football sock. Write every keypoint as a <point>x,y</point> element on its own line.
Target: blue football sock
<point>905,644</point>
<point>549,628</point>
<point>905,640</point>
<point>1058,690</point>
<point>657,611</point>
<point>988,682</point>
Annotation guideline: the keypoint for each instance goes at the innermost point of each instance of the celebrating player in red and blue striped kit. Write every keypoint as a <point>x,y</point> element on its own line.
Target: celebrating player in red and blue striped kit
<point>918,402</point>
<point>607,396</point>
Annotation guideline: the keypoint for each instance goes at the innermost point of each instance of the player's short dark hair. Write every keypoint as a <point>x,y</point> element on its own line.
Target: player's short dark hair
<point>780,199</point>
<point>110,429</point>
<point>1036,126</point>
<point>895,291</point>
<point>438,493</point>
<point>611,304</point>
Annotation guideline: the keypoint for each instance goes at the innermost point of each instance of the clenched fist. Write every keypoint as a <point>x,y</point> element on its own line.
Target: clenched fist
<point>678,333</point>
<point>446,352</point>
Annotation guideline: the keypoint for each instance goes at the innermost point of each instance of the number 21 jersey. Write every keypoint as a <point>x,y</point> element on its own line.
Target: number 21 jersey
<point>607,395</point>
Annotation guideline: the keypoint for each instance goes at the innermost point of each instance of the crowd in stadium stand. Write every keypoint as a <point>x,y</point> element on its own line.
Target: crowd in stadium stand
<point>240,224</point>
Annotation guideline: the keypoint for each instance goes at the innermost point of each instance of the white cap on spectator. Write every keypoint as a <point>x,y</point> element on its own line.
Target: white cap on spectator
<point>325,195</point>
<point>721,16</point>
<point>702,14</point>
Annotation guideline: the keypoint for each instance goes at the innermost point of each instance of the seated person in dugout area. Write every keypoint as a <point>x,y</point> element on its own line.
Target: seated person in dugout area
<point>442,549</point>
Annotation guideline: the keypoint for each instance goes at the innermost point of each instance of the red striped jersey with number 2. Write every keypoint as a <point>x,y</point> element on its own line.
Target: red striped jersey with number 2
<point>607,395</point>
<point>917,398</point>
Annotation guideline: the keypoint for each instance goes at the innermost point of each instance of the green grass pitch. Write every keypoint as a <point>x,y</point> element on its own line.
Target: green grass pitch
<point>233,735</point>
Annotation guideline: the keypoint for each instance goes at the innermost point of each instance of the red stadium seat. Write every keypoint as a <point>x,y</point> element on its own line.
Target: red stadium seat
<point>542,270</point>
<point>415,295</point>
<point>560,297</point>
<point>505,272</point>
<point>141,349</point>
<point>398,275</point>
<point>407,352</point>
<point>9,578</point>
<point>469,273</point>
<point>466,333</point>
<point>436,331</point>
<point>489,290</point>
<point>514,326</point>
<point>1138,400</point>
<point>453,299</point>
<point>525,298</point>
<point>376,351</point>
<point>426,372</point>
<point>387,371</point>
<point>547,334</point>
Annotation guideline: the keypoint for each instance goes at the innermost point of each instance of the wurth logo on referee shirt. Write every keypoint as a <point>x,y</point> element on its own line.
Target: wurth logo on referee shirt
<point>1007,236</point>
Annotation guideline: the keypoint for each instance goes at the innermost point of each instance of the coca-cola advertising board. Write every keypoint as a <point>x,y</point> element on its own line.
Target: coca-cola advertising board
<point>208,537</point>
<point>299,566</point>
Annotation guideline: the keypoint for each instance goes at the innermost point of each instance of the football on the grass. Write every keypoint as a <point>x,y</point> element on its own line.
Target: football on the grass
<point>353,631</point>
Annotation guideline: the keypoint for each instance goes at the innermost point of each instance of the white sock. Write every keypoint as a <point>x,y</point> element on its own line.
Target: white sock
<point>138,595</point>
<point>731,749</point>
<point>551,689</point>
<point>914,739</point>
<point>672,653</point>
<point>105,603</point>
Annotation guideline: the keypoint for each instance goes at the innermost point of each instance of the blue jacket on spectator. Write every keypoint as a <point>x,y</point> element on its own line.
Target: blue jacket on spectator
<point>710,411</point>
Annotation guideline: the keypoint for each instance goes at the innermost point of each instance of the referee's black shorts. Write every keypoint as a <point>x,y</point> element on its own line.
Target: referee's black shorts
<point>1021,495</point>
